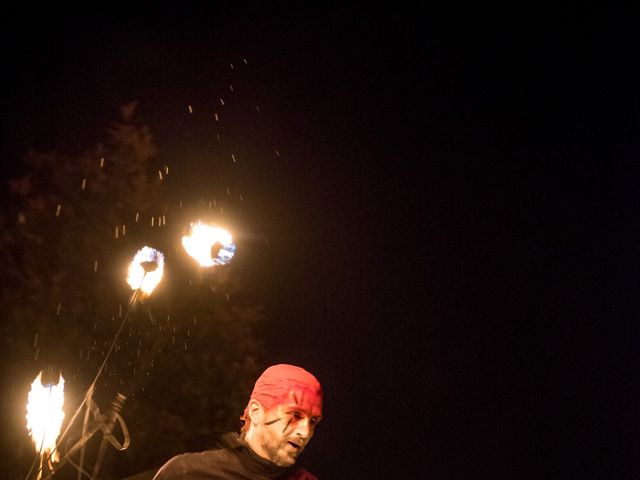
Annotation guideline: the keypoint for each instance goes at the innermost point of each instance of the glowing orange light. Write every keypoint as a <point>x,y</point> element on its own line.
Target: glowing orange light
<point>45,416</point>
<point>209,245</point>
<point>145,270</point>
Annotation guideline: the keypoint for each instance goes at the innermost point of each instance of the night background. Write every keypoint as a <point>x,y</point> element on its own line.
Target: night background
<point>434,214</point>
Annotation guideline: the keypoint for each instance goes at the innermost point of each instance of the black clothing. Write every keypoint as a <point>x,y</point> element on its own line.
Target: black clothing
<point>234,461</point>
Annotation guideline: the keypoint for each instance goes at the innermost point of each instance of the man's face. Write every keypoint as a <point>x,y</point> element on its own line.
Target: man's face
<point>285,432</point>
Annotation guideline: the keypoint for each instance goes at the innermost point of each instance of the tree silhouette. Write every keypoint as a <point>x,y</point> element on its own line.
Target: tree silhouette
<point>186,355</point>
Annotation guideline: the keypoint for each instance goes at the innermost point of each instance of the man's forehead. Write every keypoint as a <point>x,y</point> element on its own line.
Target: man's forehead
<point>303,400</point>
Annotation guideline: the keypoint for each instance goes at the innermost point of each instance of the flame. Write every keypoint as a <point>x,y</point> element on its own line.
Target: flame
<point>209,245</point>
<point>45,415</point>
<point>145,270</point>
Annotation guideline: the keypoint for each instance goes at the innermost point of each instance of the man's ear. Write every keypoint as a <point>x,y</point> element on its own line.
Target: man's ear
<point>256,412</point>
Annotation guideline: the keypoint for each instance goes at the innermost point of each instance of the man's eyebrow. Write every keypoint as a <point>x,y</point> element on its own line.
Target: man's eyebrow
<point>291,410</point>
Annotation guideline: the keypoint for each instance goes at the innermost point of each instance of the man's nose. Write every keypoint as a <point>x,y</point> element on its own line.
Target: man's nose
<point>304,429</point>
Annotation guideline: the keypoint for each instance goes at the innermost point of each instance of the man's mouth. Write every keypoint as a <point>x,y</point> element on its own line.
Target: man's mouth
<point>295,445</point>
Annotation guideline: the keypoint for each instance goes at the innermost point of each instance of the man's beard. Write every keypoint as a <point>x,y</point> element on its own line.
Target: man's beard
<point>277,454</point>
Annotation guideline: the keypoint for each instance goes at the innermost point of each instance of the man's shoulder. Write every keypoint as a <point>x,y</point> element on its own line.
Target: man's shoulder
<point>202,457</point>
<point>194,464</point>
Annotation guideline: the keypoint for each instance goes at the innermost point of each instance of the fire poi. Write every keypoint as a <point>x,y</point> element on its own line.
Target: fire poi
<point>209,245</point>
<point>145,270</point>
<point>44,418</point>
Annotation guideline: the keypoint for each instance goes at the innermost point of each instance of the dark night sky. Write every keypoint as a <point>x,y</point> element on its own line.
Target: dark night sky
<point>451,191</point>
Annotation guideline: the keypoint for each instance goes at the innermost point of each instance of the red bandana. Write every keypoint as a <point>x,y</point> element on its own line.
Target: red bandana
<point>288,384</point>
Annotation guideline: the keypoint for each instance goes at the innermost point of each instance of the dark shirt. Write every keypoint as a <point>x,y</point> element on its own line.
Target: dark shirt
<point>234,461</point>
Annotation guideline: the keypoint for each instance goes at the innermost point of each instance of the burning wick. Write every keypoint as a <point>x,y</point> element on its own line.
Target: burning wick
<point>209,245</point>
<point>45,416</point>
<point>145,270</point>
<point>149,266</point>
